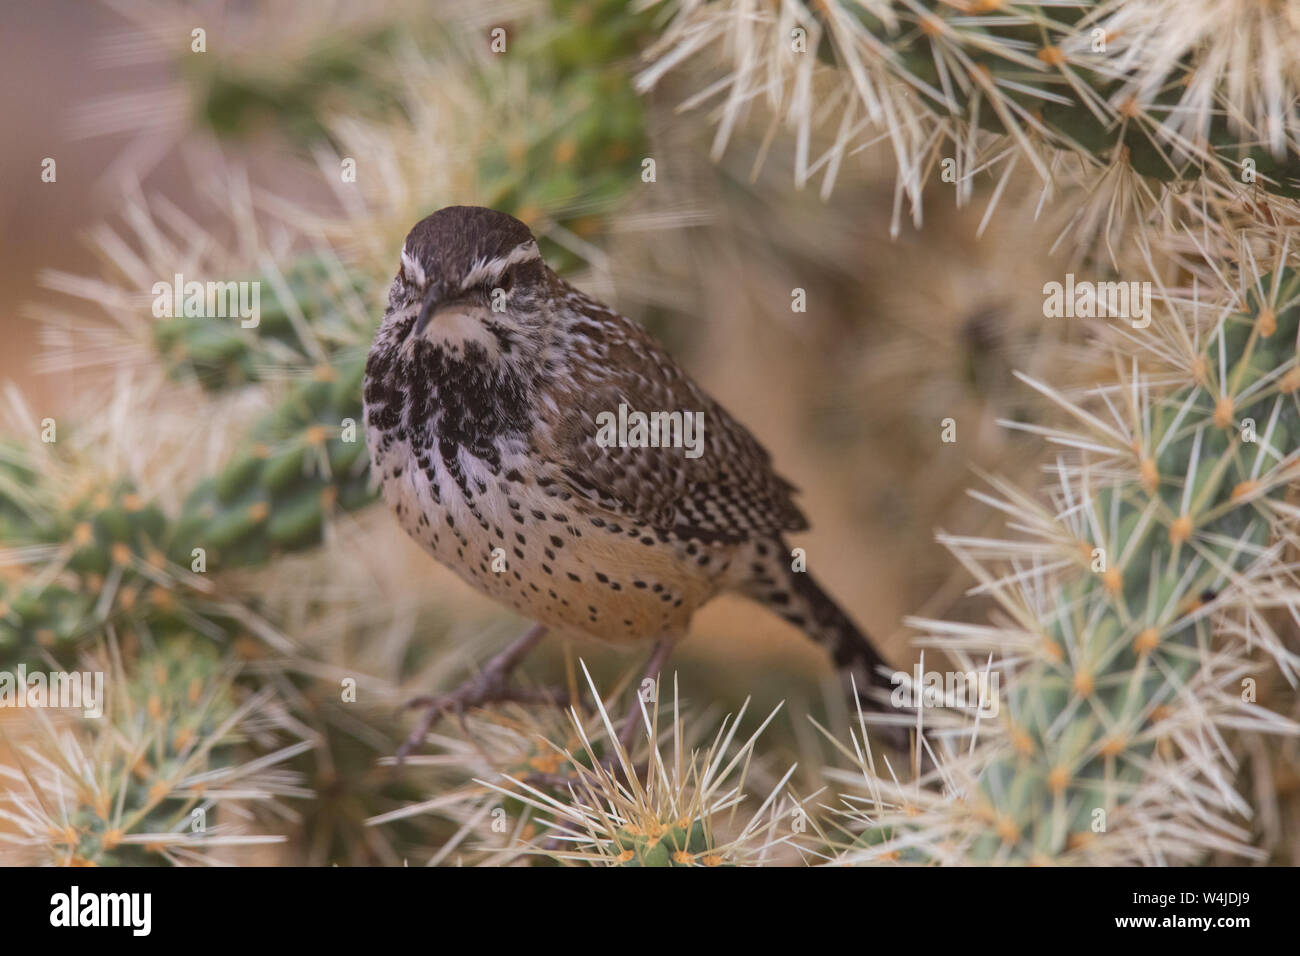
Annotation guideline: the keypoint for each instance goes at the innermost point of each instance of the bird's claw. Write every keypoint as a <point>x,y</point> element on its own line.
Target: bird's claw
<point>489,687</point>
<point>482,689</point>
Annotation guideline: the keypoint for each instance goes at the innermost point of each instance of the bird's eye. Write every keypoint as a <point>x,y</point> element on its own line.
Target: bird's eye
<point>507,280</point>
<point>409,270</point>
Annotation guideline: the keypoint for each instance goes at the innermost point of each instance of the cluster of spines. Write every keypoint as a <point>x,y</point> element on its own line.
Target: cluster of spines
<point>1150,548</point>
<point>300,465</point>
<point>1011,55</point>
<point>681,842</point>
<point>141,784</point>
<point>310,322</point>
<point>108,540</point>
<point>113,556</point>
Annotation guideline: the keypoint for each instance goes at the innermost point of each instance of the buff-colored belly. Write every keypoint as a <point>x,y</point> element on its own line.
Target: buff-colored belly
<point>553,561</point>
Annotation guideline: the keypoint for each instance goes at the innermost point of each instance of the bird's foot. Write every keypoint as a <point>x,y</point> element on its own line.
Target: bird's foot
<point>491,686</point>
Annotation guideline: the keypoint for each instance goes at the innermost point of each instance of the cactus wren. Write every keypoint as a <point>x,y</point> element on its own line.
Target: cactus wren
<point>482,390</point>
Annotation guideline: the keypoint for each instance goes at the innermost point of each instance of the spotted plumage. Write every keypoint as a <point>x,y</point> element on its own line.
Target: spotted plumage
<point>482,394</point>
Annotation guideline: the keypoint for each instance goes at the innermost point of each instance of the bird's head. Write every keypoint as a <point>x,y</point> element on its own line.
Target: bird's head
<point>470,276</point>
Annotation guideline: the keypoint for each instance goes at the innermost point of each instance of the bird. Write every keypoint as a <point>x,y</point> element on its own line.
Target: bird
<point>482,394</point>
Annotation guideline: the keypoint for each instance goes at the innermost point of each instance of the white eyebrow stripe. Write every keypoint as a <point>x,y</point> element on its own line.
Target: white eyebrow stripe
<point>412,267</point>
<point>524,252</point>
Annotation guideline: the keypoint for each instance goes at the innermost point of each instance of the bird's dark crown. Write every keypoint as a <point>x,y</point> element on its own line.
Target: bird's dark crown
<point>455,237</point>
<point>459,246</point>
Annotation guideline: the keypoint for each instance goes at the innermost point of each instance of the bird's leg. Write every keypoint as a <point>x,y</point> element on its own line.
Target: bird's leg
<point>658,657</point>
<point>488,686</point>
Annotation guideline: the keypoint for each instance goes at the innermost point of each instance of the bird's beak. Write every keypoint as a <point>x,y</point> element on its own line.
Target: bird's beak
<point>427,310</point>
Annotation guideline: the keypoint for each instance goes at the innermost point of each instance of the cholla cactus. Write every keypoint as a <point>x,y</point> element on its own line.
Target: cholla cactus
<point>1083,97</point>
<point>165,775</point>
<point>576,794</point>
<point>1128,606</point>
